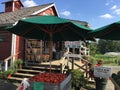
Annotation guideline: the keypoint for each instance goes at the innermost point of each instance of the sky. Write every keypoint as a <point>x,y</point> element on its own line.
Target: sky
<point>97,13</point>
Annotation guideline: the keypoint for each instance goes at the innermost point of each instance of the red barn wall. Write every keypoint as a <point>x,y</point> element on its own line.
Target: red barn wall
<point>17,5</point>
<point>49,11</point>
<point>20,47</point>
<point>5,45</point>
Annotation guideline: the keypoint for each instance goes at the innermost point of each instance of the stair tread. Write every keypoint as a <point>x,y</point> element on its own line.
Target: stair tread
<point>29,70</point>
<point>16,78</point>
<point>24,74</point>
<point>42,67</point>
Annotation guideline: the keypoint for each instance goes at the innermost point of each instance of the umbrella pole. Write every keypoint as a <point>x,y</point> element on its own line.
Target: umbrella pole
<point>51,53</point>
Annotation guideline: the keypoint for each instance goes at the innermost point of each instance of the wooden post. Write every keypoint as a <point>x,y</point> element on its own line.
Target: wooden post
<point>6,65</point>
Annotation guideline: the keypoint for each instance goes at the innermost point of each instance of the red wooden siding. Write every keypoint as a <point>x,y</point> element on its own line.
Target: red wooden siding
<point>49,11</point>
<point>5,45</point>
<point>20,47</point>
<point>18,5</point>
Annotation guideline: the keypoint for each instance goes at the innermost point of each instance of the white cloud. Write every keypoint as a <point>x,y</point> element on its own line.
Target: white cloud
<point>113,7</point>
<point>66,13</point>
<point>108,2</point>
<point>106,16</point>
<point>29,3</point>
<point>117,11</point>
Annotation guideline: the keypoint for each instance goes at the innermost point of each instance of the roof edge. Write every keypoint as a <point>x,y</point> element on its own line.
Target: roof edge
<point>52,4</point>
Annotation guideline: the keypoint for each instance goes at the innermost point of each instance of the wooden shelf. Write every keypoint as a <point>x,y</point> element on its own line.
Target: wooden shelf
<point>34,49</point>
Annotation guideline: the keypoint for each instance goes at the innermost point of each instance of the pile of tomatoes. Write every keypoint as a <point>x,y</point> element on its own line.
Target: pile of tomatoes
<point>55,78</point>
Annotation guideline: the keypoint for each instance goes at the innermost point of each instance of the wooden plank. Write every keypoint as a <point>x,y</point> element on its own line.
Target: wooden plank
<point>15,78</point>
<point>22,74</point>
<point>28,70</point>
<point>37,67</point>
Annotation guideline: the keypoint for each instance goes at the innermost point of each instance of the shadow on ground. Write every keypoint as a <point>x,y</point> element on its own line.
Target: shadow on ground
<point>4,85</point>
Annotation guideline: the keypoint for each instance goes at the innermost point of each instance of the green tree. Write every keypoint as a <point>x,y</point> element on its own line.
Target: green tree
<point>93,48</point>
<point>108,46</point>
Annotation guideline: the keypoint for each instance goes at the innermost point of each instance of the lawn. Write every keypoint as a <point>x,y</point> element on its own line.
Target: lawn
<point>107,59</point>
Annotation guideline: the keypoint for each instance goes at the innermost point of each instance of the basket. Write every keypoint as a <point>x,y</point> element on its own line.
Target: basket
<point>64,85</point>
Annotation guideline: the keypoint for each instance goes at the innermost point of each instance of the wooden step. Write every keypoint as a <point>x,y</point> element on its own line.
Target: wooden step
<point>37,67</point>
<point>24,74</point>
<point>16,78</point>
<point>27,70</point>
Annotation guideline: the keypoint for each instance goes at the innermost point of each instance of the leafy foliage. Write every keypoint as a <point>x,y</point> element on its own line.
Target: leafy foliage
<point>17,62</point>
<point>93,48</point>
<point>77,78</point>
<point>108,46</point>
<point>9,71</point>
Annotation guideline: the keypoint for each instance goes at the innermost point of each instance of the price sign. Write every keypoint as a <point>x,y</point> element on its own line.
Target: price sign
<point>103,72</point>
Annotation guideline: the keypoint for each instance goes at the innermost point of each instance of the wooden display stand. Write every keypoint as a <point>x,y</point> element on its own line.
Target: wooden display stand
<point>35,50</point>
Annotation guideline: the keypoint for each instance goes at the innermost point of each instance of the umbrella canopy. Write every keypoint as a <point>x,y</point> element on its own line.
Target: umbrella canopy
<point>108,32</point>
<point>41,27</point>
<point>50,28</point>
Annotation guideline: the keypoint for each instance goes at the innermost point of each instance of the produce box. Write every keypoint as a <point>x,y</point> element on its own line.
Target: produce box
<point>117,87</point>
<point>50,81</point>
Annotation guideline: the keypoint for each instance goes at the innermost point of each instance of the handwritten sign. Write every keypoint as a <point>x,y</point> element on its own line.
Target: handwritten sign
<point>103,72</point>
<point>73,55</point>
<point>73,44</point>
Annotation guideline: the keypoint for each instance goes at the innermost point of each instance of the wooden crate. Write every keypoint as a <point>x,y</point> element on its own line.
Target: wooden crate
<point>64,85</point>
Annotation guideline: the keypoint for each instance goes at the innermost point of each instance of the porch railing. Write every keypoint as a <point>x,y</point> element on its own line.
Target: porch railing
<point>11,60</point>
<point>63,62</point>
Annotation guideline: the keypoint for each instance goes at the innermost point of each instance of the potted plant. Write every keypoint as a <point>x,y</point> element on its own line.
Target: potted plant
<point>9,72</point>
<point>78,79</point>
<point>18,63</point>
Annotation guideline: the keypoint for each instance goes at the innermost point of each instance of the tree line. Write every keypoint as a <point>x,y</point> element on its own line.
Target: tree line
<point>103,46</point>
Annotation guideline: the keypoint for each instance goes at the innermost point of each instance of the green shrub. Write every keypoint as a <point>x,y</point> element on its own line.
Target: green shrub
<point>77,78</point>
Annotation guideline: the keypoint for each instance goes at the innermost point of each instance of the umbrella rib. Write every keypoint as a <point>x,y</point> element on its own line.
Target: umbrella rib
<point>62,28</point>
<point>42,29</point>
<point>74,30</point>
<point>27,31</point>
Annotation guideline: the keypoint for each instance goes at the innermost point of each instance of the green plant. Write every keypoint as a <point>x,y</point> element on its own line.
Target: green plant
<point>78,78</point>
<point>9,71</point>
<point>1,74</point>
<point>19,61</point>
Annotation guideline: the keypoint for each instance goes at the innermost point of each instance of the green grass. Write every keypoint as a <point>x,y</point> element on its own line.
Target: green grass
<point>107,59</point>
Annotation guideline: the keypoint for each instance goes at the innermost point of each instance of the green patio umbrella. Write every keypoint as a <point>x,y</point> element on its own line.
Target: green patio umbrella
<point>41,27</point>
<point>50,28</point>
<point>108,32</point>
